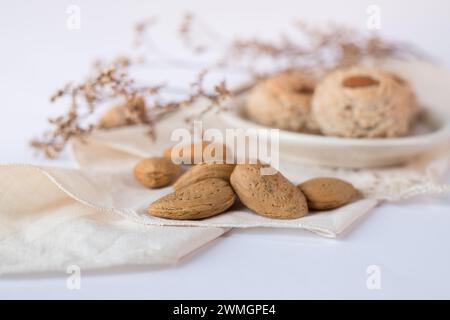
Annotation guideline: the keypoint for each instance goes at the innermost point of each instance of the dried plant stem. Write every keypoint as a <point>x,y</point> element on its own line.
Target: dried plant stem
<point>313,49</point>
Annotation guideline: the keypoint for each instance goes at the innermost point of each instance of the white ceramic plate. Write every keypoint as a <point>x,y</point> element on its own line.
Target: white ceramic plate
<point>431,131</point>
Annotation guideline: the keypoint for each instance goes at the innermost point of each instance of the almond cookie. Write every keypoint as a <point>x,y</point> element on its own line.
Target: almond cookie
<point>200,200</point>
<point>363,102</point>
<point>283,101</point>
<point>272,196</point>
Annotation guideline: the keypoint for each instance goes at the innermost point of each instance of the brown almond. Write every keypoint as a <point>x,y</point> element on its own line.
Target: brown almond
<point>359,81</point>
<point>327,193</point>
<point>271,196</point>
<point>156,172</point>
<point>204,171</point>
<point>200,200</point>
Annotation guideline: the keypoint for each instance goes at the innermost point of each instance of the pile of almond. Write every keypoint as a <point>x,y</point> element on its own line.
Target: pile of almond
<point>208,189</point>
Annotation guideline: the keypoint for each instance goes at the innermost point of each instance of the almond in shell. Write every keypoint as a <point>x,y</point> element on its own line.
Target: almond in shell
<point>200,200</point>
<point>156,172</point>
<point>271,196</point>
<point>327,193</point>
<point>204,171</point>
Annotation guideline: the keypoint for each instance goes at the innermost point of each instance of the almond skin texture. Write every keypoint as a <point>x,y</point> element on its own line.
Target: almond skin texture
<point>156,172</point>
<point>327,193</point>
<point>200,200</point>
<point>204,171</point>
<point>272,196</point>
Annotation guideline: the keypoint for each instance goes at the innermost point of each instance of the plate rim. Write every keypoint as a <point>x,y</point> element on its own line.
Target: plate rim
<point>442,133</point>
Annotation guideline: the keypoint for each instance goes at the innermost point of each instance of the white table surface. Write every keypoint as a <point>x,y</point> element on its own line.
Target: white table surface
<point>409,241</point>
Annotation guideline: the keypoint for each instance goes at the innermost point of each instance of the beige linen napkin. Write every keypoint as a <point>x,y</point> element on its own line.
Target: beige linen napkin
<point>94,217</point>
<point>42,228</point>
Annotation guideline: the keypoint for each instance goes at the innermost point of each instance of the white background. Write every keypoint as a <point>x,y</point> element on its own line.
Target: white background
<point>408,241</point>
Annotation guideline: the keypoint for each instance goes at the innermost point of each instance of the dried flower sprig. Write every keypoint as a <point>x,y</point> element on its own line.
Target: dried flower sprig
<point>108,82</point>
<point>314,49</point>
<point>186,34</point>
<point>319,49</point>
<point>220,93</point>
<point>111,82</point>
<point>141,30</point>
